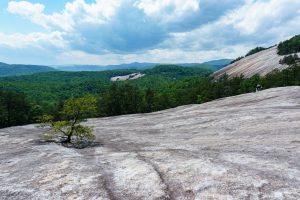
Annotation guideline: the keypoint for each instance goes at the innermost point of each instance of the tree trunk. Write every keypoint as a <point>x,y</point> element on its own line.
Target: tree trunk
<point>68,140</point>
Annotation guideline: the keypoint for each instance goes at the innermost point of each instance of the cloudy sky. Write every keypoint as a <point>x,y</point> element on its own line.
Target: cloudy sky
<point>123,31</point>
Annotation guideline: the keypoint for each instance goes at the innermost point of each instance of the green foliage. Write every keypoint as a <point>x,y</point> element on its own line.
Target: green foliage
<point>286,77</point>
<point>251,52</point>
<point>289,60</point>
<point>120,100</point>
<point>15,109</point>
<point>289,46</point>
<point>79,109</point>
<point>148,101</point>
<point>255,50</point>
<point>177,72</point>
<point>237,59</point>
<point>136,97</point>
<point>48,89</point>
<point>69,129</point>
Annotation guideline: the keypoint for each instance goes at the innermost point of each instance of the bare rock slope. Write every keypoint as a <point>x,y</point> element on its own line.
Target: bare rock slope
<point>127,77</point>
<point>243,147</point>
<point>260,63</point>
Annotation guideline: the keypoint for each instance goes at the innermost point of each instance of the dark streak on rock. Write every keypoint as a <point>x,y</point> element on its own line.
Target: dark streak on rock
<point>107,188</point>
<point>168,194</point>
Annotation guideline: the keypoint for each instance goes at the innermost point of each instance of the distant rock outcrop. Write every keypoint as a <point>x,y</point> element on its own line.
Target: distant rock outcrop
<point>243,147</point>
<point>127,77</point>
<point>260,63</point>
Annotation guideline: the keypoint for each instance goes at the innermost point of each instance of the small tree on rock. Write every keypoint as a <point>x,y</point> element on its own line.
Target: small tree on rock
<point>69,129</point>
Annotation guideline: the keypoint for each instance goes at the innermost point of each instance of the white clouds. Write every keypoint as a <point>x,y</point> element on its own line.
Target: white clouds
<point>35,13</point>
<point>116,31</point>
<point>168,10</point>
<point>155,56</point>
<point>257,15</point>
<point>74,13</point>
<point>25,8</point>
<point>33,48</point>
<point>100,12</point>
<point>152,7</point>
<point>257,23</point>
<point>121,26</point>
<point>266,22</point>
<point>96,13</point>
<point>37,40</point>
<point>28,10</point>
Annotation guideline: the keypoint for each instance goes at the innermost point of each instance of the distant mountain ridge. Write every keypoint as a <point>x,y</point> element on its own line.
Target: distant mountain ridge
<point>1,63</point>
<point>18,69</point>
<point>219,64</point>
<point>213,65</point>
<point>75,68</point>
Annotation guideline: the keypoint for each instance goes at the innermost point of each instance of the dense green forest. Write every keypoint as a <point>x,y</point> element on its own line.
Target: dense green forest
<point>289,60</point>
<point>289,46</point>
<point>48,88</point>
<point>47,91</point>
<point>15,109</point>
<point>174,86</point>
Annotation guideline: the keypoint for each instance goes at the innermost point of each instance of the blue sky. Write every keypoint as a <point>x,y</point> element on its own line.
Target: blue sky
<point>53,32</point>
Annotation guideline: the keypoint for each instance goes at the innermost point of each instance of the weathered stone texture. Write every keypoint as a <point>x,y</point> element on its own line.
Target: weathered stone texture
<point>243,147</point>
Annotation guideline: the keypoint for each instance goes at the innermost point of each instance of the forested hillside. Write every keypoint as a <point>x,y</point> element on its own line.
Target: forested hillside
<point>23,99</point>
<point>289,46</point>
<point>162,87</point>
<point>17,70</point>
<point>48,90</point>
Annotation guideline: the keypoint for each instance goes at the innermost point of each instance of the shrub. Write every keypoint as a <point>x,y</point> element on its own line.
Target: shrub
<point>289,60</point>
<point>255,50</point>
<point>69,129</point>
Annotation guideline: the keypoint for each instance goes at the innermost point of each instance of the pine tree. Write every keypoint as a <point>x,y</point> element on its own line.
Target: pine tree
<point>69,129</point>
